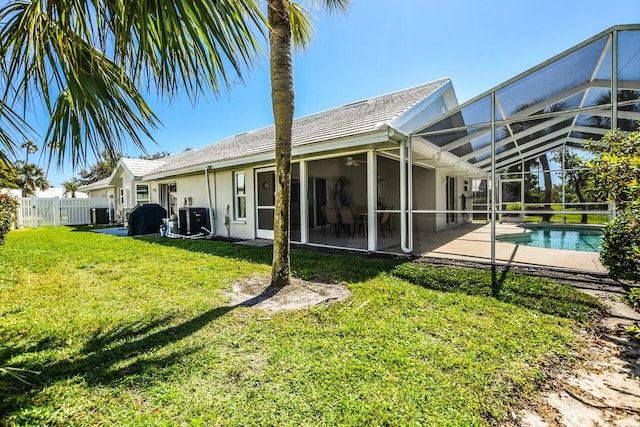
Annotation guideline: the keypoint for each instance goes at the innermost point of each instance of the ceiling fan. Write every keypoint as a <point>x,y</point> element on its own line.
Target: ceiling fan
<point>350,161</point>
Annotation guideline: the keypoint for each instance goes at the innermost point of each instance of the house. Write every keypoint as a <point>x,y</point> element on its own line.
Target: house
<point>344,157</point>
<point>406,163</point>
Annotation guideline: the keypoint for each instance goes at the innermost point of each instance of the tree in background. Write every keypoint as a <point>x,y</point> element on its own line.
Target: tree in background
<point>542,160</point>
<point>576,175</point>
<point>105,164</point>
<point>155,156</point>
<point>616,178</point>
<point>29,147</point>
<point>71,187</point>
<point>31,178</point>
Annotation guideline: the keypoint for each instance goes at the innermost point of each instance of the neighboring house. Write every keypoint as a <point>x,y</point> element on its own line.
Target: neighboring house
<point>124,187</point>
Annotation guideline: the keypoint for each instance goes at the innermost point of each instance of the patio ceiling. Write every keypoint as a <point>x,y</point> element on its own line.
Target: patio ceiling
<point>561,102</point>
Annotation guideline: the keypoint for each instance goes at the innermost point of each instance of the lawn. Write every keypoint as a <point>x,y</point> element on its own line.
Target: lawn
<point>136,331</point>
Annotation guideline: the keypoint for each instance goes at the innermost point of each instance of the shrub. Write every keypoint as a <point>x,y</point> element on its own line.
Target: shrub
<point>8,211</point>
<point>633,298</point>
<point>621,244</point>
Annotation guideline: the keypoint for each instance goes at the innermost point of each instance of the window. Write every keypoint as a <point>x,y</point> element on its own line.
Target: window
<point>240,197</point>
<point>142,193</point>
<point>122,197</point>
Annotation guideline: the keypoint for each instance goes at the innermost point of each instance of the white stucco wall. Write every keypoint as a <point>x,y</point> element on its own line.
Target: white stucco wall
<point>191,191</point>
<point>241,229</point>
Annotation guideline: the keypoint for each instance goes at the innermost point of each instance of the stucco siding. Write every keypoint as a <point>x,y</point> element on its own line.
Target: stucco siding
<point>191,191</point>
<point>226,223</point>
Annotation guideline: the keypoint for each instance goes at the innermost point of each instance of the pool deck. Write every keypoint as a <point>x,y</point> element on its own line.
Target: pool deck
<point>472,242</point>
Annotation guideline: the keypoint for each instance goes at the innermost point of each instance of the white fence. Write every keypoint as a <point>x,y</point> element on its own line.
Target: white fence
<point>35,211</point>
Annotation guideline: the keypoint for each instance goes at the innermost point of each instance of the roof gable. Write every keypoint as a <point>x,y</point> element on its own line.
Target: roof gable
<point>139,167</point>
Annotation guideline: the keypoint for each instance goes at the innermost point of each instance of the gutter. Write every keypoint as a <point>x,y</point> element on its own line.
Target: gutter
<point>406,186</point>
<point>378,135</point>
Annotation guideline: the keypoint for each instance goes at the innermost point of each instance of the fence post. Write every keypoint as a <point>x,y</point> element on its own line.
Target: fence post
<point>57,211</point>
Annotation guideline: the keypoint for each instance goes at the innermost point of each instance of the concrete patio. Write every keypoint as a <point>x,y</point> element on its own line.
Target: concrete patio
<point>472,242</point>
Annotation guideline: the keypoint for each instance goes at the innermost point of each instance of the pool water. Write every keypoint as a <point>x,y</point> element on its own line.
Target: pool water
<point>573,239</point>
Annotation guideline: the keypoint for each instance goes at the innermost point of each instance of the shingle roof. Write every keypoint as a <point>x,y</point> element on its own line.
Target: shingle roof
<point>139,167</point>
<point>349,120</point>
<point>102,183</point>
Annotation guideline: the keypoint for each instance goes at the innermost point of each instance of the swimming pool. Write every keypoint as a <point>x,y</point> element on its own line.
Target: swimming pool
<point>585,239</point>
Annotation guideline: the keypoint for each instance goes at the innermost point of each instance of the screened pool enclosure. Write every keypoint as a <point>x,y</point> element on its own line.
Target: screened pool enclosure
<point>518,148</point>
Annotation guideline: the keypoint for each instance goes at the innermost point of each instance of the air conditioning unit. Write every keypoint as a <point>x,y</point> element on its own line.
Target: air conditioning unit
<point>191,220</point>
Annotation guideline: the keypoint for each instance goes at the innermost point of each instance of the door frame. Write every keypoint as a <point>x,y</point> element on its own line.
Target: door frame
<point>263,233</point>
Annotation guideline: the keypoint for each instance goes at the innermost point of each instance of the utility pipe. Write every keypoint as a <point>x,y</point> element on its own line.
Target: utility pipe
<point>211,213</point>
<point>406,197</point>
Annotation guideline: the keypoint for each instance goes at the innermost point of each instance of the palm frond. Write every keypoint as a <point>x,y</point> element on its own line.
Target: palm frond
<point>85,62</point>
<point>301,27</point>
<point>300,19</point>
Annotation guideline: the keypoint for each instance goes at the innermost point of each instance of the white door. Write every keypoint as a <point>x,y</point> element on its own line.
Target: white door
<point>265,202</point>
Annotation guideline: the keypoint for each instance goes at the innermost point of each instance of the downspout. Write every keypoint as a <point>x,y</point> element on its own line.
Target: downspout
<point>212,232</point>
<point>406,197</point>
<point>215,202</point>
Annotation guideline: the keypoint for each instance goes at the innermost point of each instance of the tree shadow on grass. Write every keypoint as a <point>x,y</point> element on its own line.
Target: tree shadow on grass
<point>128,353</point>
<point>310,264</point>
<point>528,292</point>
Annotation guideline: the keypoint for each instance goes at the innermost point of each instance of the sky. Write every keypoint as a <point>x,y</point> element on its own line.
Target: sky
<point>382,46</point>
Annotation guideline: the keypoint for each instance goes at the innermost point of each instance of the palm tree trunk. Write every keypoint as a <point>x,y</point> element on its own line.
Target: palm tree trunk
<point>546,173</point>
<point>584,219</point>
<point>282,99</point>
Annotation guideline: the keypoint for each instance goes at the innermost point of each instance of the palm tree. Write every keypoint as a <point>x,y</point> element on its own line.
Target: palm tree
<point>70,187</point>
<point>625,96</point>
<point>30,148</point>
<point>285,18</point>
<point>543,159</point>
<point>87,60</point>
<point>31,177</point>
<point>101,51</point>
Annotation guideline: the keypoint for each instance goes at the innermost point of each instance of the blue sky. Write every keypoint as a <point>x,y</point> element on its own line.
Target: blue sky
<point>382,46</point>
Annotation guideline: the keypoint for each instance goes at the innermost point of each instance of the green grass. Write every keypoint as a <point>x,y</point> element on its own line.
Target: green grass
<point>135,332</point>
<point>598,219</point>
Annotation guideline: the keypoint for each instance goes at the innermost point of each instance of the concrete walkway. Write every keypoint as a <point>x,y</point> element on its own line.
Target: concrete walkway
<point>472,242</point>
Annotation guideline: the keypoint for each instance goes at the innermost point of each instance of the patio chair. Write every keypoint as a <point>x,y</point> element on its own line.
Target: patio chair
<point>348,221</point>
<point>385,220</point>
<point>331,219</point>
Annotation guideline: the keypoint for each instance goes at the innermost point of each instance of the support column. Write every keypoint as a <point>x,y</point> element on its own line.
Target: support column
<point>614,80</point>
<point>304,202</point>
<point>562,174</point>
<point>522,195</point>
<point>493,178</point>
<point>372,201</point>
